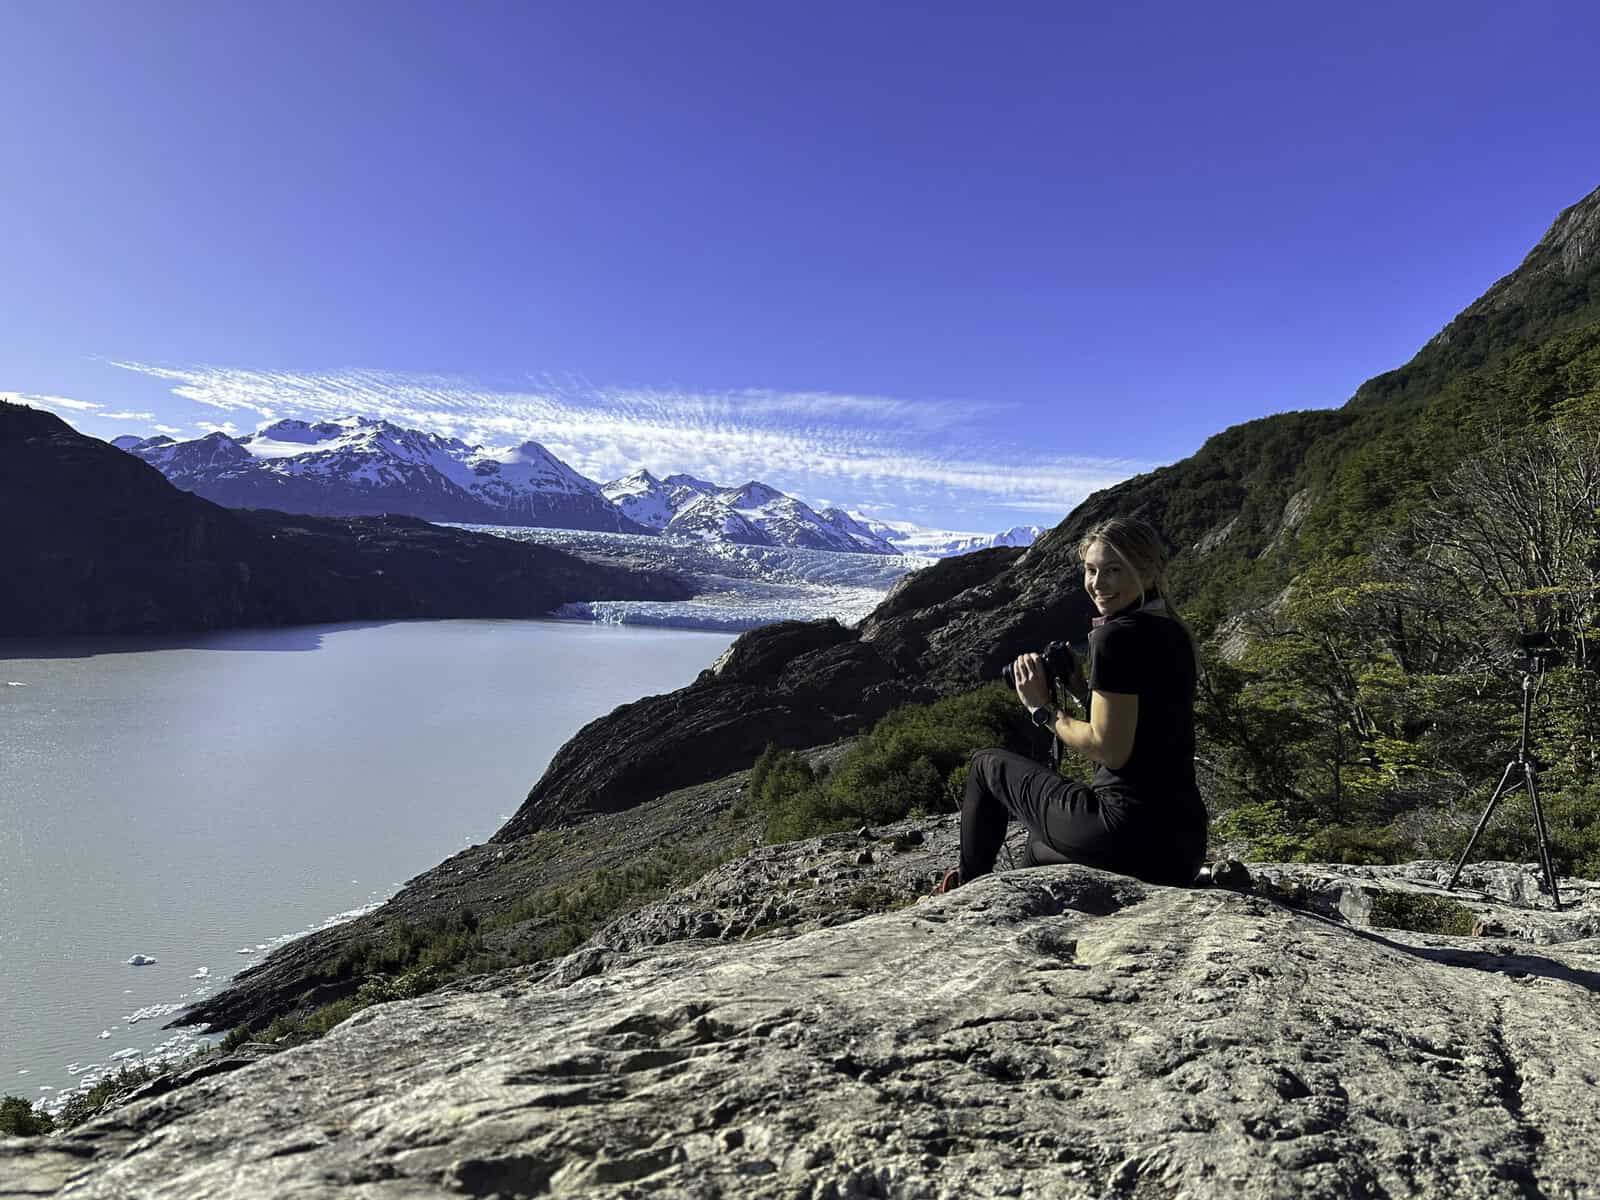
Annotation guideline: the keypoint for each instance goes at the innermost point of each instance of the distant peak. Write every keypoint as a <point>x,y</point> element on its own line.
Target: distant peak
<point>755,490</point>
<point>525,452</point>
<point>689,481</point>
<point>1567,248</point>
<point>1574,236</point>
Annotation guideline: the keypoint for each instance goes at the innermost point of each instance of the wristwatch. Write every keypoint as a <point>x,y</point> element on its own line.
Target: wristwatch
<point>1042,717</point>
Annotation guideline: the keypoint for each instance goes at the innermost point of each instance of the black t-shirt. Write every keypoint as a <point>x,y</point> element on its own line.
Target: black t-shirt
<point>1147,655</point>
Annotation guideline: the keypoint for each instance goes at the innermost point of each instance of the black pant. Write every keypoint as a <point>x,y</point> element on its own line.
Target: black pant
<point>1160,841</point>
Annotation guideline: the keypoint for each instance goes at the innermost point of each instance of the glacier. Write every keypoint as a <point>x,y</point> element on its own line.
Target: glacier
<point>738,587</point>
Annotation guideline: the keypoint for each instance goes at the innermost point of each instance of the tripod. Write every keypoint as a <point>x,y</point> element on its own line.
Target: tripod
<point>1521,771</point>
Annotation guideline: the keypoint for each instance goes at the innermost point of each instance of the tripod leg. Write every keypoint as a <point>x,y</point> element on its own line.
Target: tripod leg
<point>1502,789</point>
<point>1544,838</point>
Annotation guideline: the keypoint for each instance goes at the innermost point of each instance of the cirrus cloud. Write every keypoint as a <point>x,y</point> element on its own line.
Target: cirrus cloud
<point>877,449</point>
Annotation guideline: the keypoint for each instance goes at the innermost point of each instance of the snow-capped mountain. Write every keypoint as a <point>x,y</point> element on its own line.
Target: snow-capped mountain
<point>854,527</point>
<point>753,514</point>
<point>183,461</point>
<point>356,466</point>
<point>710,519</point>
<point>641,497</point>
<point>907,538</point>
<point>654,502</point>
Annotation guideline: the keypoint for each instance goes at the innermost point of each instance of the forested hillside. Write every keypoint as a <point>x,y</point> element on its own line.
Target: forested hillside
<point>1361,576</point>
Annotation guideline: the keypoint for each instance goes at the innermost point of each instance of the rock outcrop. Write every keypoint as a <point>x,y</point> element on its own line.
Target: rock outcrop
<point>1050,1032</point>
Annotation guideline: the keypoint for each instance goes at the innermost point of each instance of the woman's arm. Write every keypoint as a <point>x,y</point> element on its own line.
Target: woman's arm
<point>1107,736</point>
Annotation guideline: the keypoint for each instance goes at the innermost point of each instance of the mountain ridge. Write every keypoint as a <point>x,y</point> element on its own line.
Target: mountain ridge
<point>101,542</point>
<point>361,466</point>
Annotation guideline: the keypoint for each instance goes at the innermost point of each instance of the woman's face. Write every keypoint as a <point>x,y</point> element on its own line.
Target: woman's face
<point>1111,584</point>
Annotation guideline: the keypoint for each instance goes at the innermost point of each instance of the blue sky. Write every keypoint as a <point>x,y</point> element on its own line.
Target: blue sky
<point>952,263</point>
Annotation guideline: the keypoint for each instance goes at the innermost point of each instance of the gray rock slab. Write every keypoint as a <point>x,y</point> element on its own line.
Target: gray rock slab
<point>1050,1032</point>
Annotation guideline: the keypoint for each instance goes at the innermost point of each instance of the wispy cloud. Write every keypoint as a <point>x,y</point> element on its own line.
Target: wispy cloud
<point>227,427</point>
<point>811,443</point>
<point>169,430</point>
<point>126,416</point>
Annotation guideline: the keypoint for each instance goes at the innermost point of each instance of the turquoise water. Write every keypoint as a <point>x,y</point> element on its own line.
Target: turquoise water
<point>188,798</point>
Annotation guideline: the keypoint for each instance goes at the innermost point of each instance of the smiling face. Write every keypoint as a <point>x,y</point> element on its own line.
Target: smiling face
<point>1111,583</point>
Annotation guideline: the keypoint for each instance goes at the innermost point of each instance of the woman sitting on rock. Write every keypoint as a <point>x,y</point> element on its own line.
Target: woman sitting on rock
<point>1143,816</point>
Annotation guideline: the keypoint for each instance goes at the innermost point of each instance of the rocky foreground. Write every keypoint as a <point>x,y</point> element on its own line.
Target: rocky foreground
<point>797,1025</point>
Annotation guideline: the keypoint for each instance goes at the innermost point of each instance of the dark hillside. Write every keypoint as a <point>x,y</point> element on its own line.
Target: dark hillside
<point>96,541</point>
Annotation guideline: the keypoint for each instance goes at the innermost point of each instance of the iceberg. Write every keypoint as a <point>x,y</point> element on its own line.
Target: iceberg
<point>141,960</point>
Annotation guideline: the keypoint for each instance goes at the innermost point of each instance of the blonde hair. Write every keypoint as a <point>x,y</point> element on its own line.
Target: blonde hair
<point>1141,550</point>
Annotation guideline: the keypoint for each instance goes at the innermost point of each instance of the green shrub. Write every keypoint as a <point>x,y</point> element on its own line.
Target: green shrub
<point>778,773</point>
<point>1422,914</point>
<point>18,1118</point>
<point>1265,830</point>
<point>295,1030</point>
<point>914,759</point>
<point>1354,844</point>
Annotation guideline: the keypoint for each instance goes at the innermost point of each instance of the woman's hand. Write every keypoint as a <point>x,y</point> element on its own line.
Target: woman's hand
<point>1033,685</point>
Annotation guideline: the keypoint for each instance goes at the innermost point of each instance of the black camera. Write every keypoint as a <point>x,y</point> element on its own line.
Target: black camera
<point>1060,663</point>
<point>1538,652</point>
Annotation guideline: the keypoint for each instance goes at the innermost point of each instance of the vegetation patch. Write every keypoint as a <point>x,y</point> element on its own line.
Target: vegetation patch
<point>19,1118</point>
<point>1366,707</point>
<point>1420,913</point>
<point>876,898</point>
<point>913,760</point>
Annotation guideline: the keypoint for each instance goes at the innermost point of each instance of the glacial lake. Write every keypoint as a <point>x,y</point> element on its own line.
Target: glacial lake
<point>191,797</point>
